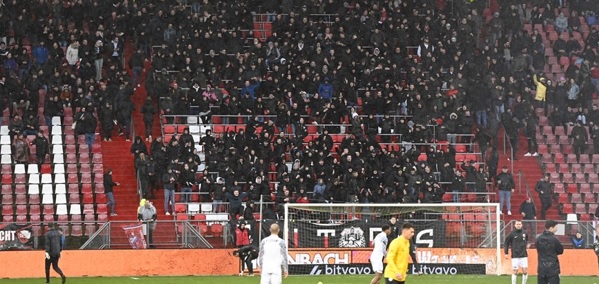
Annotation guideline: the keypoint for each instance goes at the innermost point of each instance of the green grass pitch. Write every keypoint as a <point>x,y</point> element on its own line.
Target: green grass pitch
<point>348,279</point>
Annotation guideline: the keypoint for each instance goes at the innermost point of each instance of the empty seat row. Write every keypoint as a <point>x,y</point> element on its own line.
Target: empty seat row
<point>578,208</point>
<point>50,198</point>
<point>56,188</point>
<point>576,188</point>
<point>72,210</point>
<point>569,168</point>
<point>557,178</point>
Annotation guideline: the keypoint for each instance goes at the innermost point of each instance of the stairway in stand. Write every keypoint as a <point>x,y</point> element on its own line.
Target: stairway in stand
<point>532,173</point>
<point>117,156</point>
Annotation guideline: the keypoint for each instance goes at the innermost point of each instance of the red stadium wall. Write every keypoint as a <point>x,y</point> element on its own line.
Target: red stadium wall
<point>30,264</point>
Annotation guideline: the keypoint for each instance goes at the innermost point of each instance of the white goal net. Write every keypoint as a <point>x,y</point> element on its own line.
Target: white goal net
<point>451,238</point>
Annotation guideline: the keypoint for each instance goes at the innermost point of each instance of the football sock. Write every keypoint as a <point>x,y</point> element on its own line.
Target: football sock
<point>514,278</point>
<point>524,278</point>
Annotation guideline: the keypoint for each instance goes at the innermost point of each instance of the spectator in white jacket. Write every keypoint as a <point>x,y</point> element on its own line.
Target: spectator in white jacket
<point>73,53</point>
<point>561,23</point>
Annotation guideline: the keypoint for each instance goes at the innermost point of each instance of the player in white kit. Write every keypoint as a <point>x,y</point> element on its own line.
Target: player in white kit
<point>378,253</point>
<point>273,258</point>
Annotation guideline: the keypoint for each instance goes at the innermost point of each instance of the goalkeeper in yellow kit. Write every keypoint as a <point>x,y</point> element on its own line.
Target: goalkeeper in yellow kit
<point>398,256</point>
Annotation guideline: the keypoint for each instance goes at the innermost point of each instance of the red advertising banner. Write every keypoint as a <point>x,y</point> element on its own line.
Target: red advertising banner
<point>580,262</point>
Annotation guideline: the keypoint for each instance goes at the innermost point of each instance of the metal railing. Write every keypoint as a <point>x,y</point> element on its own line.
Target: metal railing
<point>565,230</point>
<point>171,233</point>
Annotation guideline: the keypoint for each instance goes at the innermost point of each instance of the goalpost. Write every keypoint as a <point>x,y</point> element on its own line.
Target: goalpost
<point>451,238</point>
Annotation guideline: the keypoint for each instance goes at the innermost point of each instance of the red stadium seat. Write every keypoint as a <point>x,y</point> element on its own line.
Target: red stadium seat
<point>74,198</point>
<point>71,169</point>
<point>7,210</point>
<point>73,188</point>
<point>21,209</point>
<point>86,188</point>
<point>83,158</point>
<point>180,208</point>
<point>7,179</point>
<point>48,210</point>
<point>88,198</point>
<point>76,231</point>
<point>589,198</point>
<point>102,209</point>
<point>89,218</point>
<point>572,188</point>
<point>102,218</point>
<point>76,219</point>
<point>576,198</point>
<point>567,209</point>
<point>580,208</point>
<point>88,209</point>
<point>216,229</point>
<point>34,210</point>
<point>99,188</point>
<point>101,198</point>
<point>34,199</point>
<point>35,219</point>
<point>203,229</point>
<point>6,189</point>
<point>22,199</point>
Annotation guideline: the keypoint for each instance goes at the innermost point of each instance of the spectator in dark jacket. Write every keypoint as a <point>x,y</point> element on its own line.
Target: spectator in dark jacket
<point>187,179</point>
<point>107,120</point>
<point>235,200</point>
<point>580,137</point>
<point>548,248</point>
<point>148,112</point>
<point>458,186</point>
<point>138,146</point>
<point>41,148</point>
<point>248,213</point>
<point>108,189</point>
<point>86,124</point>
<point>529,214</point>
<point>168,182</point>
<point>505,182</point>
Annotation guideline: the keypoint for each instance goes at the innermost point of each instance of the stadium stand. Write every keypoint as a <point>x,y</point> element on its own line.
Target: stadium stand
<point>395,88</point>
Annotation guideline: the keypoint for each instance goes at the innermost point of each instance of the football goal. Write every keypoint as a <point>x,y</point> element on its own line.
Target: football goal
<point>451,238</point>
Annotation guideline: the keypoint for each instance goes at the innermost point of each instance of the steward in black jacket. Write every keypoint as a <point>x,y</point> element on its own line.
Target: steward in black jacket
<point>548,248</point>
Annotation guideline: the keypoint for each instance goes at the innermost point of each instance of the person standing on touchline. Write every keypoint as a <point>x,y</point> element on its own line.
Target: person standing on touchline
<point>378,253</point>
<point>548,248</point>
<point>54,245</point>
<point>398,256</point>
<point>518,240</point>
<point>272,258</point>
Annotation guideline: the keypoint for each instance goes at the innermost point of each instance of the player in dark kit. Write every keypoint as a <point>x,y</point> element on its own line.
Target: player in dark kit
<point>518,240</point>
<point>413,256</point>
<point>54,245</point>
<point>548,248</point>
<point>246,254</point>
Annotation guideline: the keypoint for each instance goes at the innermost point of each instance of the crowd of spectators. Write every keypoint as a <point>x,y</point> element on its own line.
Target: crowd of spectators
<point>420,71</point>
<point>424,72</point>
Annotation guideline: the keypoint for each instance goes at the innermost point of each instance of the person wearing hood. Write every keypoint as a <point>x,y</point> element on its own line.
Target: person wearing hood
<point>325,89</point>
<point>452,125</point>
<point>242,235</point>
